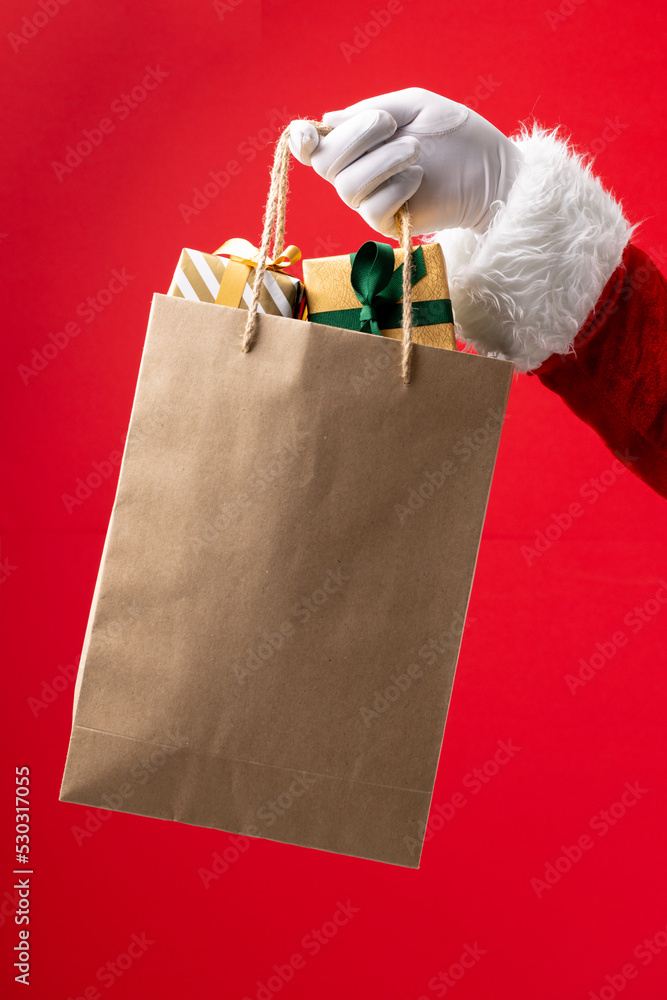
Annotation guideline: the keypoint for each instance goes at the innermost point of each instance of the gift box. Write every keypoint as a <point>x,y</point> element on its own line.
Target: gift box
<point>363,291</point>
<point>226,278</point>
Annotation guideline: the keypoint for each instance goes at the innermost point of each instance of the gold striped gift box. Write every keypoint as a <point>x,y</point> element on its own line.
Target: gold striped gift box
<point>228,280</point>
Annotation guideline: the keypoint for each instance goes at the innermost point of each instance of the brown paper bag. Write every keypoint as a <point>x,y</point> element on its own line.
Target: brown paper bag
<point>276,622</point>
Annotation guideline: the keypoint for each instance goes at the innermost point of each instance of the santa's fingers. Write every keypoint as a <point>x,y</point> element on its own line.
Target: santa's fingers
<point>379,209</point>
<point>362,178</point>
<point>413,109</point>
<point>303,140</point>
<point>342,146</point>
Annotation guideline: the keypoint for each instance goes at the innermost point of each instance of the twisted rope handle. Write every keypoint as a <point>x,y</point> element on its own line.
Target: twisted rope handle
<point>274,228</point>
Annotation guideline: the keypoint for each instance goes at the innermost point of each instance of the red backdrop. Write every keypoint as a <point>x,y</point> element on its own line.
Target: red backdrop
<point>523,876</point>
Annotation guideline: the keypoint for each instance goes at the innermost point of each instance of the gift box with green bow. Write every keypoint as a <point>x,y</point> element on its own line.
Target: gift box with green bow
<point>363,291</point>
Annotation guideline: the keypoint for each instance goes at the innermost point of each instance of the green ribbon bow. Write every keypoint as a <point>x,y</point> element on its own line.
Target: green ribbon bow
<point>379,287</point>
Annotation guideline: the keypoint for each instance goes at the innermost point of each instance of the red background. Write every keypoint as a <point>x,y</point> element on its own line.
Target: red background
<point>530,624</point>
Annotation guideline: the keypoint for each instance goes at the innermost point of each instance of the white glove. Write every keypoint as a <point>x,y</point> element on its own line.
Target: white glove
<point>453,166</point>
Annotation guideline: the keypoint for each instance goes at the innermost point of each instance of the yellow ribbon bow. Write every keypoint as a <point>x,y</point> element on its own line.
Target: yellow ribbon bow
<point>242,259</point>
<point>244,252</point>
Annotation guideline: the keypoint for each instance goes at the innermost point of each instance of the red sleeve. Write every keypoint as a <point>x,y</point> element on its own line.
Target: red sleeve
<point>615,375</point>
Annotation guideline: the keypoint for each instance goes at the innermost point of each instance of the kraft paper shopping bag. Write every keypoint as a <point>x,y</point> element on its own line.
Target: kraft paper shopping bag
<point>294,533</point>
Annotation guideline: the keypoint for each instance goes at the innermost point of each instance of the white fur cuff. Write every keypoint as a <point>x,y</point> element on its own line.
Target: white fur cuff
<point>523,290</point>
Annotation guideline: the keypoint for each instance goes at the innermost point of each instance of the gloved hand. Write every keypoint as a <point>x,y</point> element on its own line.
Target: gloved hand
<point>450,163</point>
